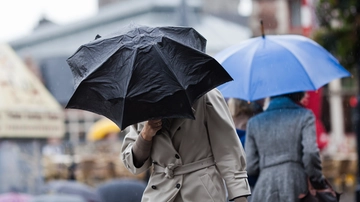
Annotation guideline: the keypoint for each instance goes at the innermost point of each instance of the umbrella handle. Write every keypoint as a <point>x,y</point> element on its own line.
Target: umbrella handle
<point>262,29</point>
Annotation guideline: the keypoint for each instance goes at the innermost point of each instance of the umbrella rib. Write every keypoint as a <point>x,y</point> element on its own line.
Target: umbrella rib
<point>128,81</point>
<point>251,72</point>
<point>165,61</point>
<point>235,48</point>
<point>297,60</point>
<point>94,69</point>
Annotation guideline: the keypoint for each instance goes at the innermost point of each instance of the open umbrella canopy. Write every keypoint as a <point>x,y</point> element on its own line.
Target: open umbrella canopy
<point>144,73</point>
<point>274,65</point>
<point>101,128</point>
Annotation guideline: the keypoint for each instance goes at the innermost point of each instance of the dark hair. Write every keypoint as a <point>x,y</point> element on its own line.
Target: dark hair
<point>238,107</point>
<point>256,107</point>
<point>295,97</point>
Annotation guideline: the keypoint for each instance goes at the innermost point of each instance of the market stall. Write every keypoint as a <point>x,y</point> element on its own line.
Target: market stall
<point>27,109</point>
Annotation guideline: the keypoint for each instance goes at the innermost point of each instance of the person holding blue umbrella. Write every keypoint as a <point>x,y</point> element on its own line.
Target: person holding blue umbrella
<point>272,65</point>
<point>280,142</point>
<point>281,148</point>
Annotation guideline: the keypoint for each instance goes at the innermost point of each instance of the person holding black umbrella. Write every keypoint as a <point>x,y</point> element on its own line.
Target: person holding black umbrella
<point>163,74</point>
<point>191,158</point>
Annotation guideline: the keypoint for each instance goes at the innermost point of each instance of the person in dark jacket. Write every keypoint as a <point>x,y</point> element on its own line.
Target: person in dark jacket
<point>281,148</point>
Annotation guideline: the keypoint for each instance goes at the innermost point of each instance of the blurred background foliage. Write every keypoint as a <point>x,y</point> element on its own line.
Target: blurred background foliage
<point>339,30</point>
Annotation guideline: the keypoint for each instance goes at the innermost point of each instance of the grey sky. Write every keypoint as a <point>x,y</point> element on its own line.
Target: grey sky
<point>19,17</point>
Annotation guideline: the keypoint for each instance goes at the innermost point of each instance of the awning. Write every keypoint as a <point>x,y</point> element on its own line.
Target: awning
<point>27,109</point>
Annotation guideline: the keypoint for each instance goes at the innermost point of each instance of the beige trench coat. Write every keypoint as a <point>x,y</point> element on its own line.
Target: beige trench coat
<point>211,135</point>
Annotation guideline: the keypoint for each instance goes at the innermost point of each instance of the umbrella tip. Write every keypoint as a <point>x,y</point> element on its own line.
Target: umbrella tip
<point>97,36</point>
<point>262,29</point>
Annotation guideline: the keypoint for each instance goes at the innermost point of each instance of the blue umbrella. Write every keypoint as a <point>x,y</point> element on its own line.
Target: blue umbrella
<point>275,65</point>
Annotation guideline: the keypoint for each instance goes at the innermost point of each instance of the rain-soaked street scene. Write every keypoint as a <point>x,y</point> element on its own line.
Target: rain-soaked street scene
<point>179,100</point>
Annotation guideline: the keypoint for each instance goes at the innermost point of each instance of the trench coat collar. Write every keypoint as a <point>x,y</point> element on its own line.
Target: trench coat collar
<point>176,123</point>
<point>282,103</point>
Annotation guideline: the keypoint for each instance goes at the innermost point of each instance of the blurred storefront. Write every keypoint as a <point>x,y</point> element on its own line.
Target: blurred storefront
<point>29,114</point>
<point>27,109</point>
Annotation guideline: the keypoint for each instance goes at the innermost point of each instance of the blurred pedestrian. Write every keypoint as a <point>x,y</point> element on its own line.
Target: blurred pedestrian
<point>72,172</point>
<point>281,147</point>
<point>15,196</point>
<point>53,197</point>
<point>126,190</point>
<point>192,158</point>
<point>241,111</point>
<point>53,147</point>
<point>72,188</point>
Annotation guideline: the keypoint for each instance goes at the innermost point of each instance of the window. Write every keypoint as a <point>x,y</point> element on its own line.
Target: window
<point>295,13</point>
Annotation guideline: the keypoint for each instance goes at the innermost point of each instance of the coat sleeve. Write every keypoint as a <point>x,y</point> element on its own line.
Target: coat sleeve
<point>252,155</point>
<point>127,155</point>
<point>311,157</point>
<point>226,147</point>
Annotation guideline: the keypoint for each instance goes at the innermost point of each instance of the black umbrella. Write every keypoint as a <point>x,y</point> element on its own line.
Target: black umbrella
<point>144,73</point>
<point>128,190</point>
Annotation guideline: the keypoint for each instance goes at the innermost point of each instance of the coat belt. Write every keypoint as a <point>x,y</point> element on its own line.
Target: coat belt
<point>171,169</point>
<point>278,159</point>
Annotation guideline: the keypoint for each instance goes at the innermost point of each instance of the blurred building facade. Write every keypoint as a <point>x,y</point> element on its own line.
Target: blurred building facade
<point>279,16</point>
<point>225,9</point>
